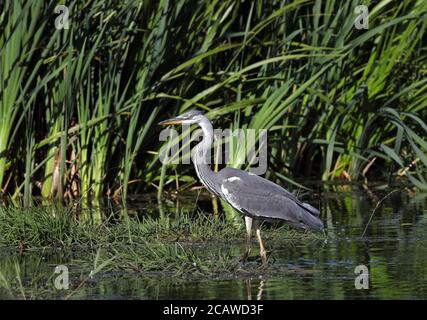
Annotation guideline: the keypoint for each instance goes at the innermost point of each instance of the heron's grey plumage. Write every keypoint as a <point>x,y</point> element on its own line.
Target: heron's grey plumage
<point>260,198</point>
<point>251,195</point>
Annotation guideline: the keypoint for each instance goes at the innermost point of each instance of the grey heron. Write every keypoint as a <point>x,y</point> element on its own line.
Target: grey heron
<point>254,197</point>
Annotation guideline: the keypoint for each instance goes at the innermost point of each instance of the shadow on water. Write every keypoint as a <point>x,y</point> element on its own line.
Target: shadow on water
<point>394,250</point>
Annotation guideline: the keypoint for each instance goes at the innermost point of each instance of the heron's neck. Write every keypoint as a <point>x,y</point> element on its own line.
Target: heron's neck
<point>201,156</point>
<point>201,159</point>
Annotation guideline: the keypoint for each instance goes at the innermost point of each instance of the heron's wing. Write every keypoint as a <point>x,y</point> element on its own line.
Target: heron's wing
<point>267,184</point>
<point>257,197</point>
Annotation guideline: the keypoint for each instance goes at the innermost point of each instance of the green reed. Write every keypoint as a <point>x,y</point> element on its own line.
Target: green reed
<point>79,106</point>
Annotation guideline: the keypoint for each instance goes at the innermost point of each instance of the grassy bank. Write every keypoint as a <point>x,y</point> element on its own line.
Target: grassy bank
<point>60,227</point>
<point>199,246</point>
<point>156,242</point>
<point>79,106</point>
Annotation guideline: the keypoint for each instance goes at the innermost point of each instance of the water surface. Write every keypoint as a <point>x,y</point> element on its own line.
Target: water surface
<point>394,250</point>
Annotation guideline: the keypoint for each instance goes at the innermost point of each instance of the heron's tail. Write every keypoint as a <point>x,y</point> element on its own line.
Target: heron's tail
<point>311,209</point>
<point>310,218</point>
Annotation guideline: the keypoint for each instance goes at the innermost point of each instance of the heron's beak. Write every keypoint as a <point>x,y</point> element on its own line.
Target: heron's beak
<point>170,121</point>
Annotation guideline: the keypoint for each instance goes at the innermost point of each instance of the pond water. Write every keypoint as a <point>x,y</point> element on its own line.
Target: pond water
<point>393,250</point>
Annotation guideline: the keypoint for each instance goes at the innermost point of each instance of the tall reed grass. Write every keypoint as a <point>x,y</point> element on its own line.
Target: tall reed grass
<point>79,106</point>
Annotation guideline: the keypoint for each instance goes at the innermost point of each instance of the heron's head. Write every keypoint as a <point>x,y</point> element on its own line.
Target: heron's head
<point>189,117</point>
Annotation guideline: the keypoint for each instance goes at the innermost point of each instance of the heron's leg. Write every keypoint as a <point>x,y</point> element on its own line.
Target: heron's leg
<point>248,223</point>
<point>261,246</point>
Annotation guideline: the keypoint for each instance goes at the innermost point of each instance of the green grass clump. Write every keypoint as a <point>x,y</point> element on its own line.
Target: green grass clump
<point>59,227</point>
<point>44,227</point>
<point>187,244</point>
<point>196,245</point>
<point>186,228</point>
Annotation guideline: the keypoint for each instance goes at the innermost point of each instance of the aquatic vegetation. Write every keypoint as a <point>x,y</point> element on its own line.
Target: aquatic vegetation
<point>149,259</point>
<point>338,102</point>
<point>78,115</point>
<point>60,227</point>
<point>199,245</point>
